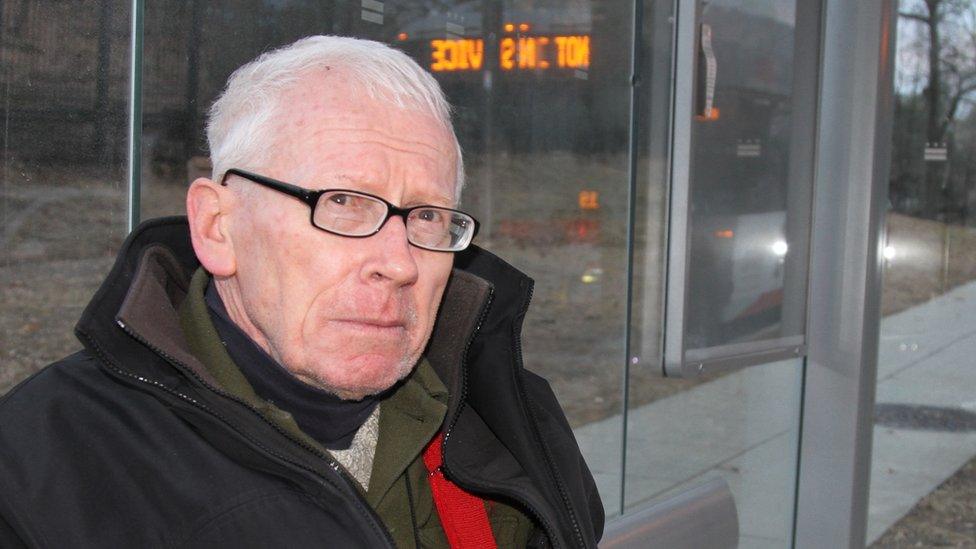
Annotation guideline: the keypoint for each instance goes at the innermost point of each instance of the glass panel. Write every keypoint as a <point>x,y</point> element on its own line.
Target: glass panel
<point>925,412</point>
<point>542,97</point>
<point>751,176</point>
<point>743,426</point>
<point>63,93</point>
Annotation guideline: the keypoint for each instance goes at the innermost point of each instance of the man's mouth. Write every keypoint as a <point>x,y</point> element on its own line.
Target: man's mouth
<point>373,324</point>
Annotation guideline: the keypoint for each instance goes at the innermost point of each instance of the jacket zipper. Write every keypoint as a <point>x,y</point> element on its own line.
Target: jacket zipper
<point>463,398</point>
<point>333,464</point>
<point>550,530</point>
<point>535,429</point>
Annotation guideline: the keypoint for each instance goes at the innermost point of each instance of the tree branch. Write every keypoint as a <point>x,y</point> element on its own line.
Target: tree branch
<point>915,16</point>
<point>953,105</point>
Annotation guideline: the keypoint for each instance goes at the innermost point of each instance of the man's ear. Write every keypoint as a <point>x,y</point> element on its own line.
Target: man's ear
<point>206,210</point>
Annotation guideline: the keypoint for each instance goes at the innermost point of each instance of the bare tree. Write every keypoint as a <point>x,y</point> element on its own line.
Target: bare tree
<point>948,46</point>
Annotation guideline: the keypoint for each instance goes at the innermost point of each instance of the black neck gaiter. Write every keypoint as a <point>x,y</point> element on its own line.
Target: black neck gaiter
<point>322,415</point>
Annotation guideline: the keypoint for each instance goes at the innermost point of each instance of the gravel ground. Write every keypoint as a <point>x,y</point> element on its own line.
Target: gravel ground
<point>944,518</point>
<point>574,333</point>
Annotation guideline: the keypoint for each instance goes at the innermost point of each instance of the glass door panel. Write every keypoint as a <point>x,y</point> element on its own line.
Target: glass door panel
<point>740,216</point>
<point>751,177</point>
<point>741,175</point>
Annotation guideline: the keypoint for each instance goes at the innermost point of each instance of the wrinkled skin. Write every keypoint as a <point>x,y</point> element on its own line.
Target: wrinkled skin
<point>349,315</point>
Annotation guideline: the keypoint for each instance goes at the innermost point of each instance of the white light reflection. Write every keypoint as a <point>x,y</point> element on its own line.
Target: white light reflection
<point>780,248</point>
<point>889,252</point>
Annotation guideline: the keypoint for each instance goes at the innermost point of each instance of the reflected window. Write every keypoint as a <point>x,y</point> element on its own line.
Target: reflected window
<point>751,177</point>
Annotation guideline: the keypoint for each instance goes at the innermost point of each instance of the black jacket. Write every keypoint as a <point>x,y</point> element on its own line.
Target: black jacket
<point>128,443</point>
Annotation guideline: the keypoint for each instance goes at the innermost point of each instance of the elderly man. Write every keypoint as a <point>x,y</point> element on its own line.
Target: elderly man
<point>308,359</point>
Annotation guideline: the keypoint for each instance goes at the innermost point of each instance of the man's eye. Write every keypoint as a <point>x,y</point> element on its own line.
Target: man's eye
<point>432,216</point>
<point>347,201</point>
<point>339,199</point>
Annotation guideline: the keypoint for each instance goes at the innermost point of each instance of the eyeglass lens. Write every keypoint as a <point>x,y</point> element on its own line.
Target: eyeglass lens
<point>352,214</point>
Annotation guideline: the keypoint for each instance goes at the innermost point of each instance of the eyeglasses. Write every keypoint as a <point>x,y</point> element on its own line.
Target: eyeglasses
<point>357,215</point>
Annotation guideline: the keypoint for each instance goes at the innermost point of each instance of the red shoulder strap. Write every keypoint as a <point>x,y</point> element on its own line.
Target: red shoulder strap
<point>463,515</point>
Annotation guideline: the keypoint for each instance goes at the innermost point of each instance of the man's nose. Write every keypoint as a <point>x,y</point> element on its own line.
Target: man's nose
<point>391,256</point>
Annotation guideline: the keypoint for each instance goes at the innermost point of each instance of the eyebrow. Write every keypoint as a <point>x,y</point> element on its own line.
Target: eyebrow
<point>432,199</point>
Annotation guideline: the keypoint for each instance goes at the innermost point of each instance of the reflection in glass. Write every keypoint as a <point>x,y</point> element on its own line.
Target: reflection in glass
<point>743,426</point>
<point>750,180</point>
<point>63,77</point>
<point>749,189</point>
<point>925,412</point>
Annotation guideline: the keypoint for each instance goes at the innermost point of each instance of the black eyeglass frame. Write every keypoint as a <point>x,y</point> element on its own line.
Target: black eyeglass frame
<point>311,198</point>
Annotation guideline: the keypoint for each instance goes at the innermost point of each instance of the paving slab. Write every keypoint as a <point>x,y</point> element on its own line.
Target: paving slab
<point>741,426</point>
<point>928,358</point>
<point>913,335</point>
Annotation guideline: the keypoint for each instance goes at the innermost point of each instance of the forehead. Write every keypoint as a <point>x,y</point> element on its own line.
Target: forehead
<point>330,128</point>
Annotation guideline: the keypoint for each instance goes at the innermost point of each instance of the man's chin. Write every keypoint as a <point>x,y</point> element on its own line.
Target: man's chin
<point>360,381</point>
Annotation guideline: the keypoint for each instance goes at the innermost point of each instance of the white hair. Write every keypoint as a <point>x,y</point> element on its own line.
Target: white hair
<point>239,120</point>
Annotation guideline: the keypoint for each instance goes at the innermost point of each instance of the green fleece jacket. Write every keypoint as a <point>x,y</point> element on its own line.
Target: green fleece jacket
<point>409,418</point>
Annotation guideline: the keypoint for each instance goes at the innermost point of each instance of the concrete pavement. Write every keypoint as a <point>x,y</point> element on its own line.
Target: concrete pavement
<point>743,426</point>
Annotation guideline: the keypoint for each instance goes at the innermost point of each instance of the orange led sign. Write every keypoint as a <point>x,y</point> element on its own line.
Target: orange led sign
<point>589,200</point>
<point>522,53</point>
<point>574,51</point>
<point>457,55</point>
